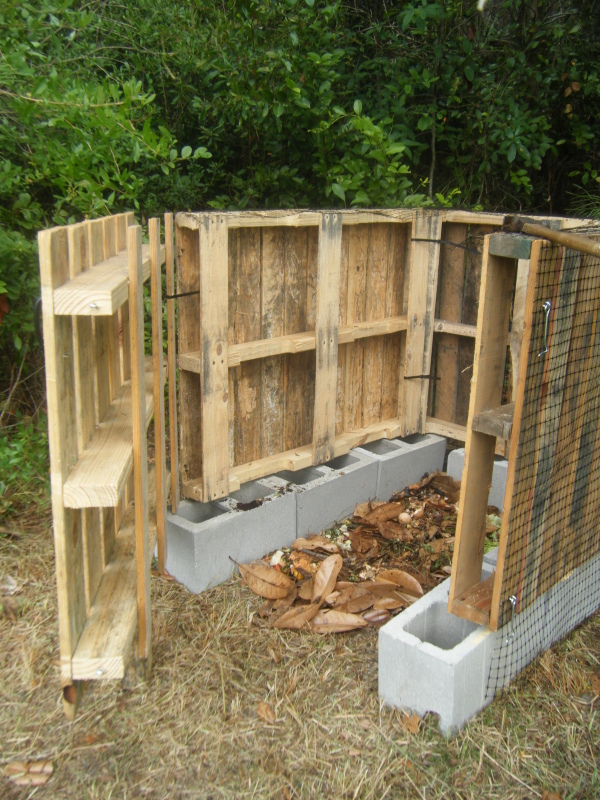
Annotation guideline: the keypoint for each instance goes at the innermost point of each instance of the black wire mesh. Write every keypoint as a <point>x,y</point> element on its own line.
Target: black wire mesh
<point>554,515</point>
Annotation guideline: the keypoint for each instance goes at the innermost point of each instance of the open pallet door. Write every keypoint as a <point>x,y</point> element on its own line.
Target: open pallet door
<point>552,501</point>
<point>101,398</point>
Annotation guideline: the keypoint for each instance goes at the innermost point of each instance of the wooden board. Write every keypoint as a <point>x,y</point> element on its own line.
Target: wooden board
<point>102,290</point>
<point>425,255</point>
<point>495,299</point>
<point>214,372</point>
<point>172,363</point>
<point>328,287</point>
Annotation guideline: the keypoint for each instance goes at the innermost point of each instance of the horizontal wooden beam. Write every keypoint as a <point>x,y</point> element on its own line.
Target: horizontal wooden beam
<point>495,422</point>
<point>102,289</point>
<point>105,644</point>
<point>300,458</point>
<point>475,603</point>
<point>456,328</point>
<point>103,468</point>
<point>296,342</point>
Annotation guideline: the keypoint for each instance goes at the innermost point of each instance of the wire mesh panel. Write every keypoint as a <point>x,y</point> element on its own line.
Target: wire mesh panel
<point>552,518</point>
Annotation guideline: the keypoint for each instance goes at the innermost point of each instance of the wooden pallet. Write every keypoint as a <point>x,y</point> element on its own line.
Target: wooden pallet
<point>102,394</point>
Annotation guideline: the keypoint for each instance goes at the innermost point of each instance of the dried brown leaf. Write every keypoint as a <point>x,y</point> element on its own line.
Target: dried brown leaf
<point>336,622</point>
<point>361,541</point>
<point>364,508</point>
<point>356,601</point>
<point>29,773</point>
<point>325,577</point>
<point>297,617</point>
<point>316,543</point>
<point>265,712</point>
<point>401,579</point>
<point>377,616</point>
<point>306,588</point>
<point>265,581</point>
<point>393,530</point>
<point>595,683</point>
<point>390,603</point>
<point>288,600</point>
<point>411,723</point>
<point>383,513</point>
<point>551,796</point>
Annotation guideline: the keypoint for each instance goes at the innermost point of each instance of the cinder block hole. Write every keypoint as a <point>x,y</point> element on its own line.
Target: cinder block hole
<point>341,462</point>
<point>436,626</point>
<point>380,448</point>
<point>300,477</point>
<point>253,490</point>
<point>199,512</point>
<point>415,438</point>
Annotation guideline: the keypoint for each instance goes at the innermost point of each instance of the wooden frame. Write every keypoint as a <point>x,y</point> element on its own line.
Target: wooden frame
<point>101,398</point>
<point>294,306</point>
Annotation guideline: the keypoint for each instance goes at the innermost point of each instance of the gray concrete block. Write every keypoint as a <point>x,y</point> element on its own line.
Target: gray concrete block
<point>456,462</point>
<point>202,537</point>
<point>402,462</point>
<point>430,660</point>
<point>329,493</point>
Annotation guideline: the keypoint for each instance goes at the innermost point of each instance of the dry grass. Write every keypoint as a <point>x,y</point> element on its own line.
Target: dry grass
<point>193,731</point>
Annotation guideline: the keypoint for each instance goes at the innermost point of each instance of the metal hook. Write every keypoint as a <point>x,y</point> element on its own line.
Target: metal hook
<point>510,635</point>
<point>547,306</point>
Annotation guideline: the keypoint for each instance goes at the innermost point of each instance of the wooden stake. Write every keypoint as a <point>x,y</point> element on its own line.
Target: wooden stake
<point>172,364</point>
<point>140,455</point>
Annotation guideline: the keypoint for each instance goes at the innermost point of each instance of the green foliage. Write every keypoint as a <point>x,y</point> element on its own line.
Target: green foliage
<point>24,466</point>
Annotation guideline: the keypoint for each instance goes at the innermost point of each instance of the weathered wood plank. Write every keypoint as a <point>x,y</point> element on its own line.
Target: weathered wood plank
<point>355,265</point>
<point>62,439</point>
<point>421,312</point>
<point>172,363</point>
<point>214,374</point>
<point>328,287</point>
<point>496,421</point>
<point>143,553</point>
<point>497,282</point>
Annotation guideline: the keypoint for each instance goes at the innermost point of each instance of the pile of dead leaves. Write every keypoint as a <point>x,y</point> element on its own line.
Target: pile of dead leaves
<point>365,570</point>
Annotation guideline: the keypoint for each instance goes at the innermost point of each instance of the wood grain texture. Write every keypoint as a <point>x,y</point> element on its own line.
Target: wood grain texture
<point>495,299</point>
<point>326,334</point>
<point>158,390</point>
<point>214,375</point>
<point>421,313</point>
<point>172,362</point>
<point>62,439</point>
<point>143,553</point>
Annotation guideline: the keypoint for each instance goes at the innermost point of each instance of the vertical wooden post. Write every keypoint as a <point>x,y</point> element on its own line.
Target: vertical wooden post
<point>140,455</point>
<point>159,390</point>
<point>425,256</point>
<point>495,297</point>
<point>328,302</point>
<point>62,438</point>
<point>172,363</point>
<point>214,373</point>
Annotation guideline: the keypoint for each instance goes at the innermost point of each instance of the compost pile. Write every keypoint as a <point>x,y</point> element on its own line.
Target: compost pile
<point>366,569</point>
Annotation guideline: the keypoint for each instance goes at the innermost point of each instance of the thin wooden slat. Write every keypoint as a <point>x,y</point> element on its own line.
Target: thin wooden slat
<point>214,377</point>
<point>62,438</point>
<point>140,454</point>
<point>101,290</point>
<point>160,459</point>
<point>244,314</point>
<point>377,290</point>
<point>188,331</point>
<point>172,363</point>
<point>495,422</point>
<point>272,324</point>
<point>495,300</point>
<point>516,328</point>
<point>421,313</point>
<point>355,264</point>
<point>103,468</point>
<point>296,343</point>
<point>396,245</point>
<point>475,603</point>
<point>114,350</point>
<point>455,328</point>
<point>83,369</point>
<point>328,287</point>
<point>104,649</point>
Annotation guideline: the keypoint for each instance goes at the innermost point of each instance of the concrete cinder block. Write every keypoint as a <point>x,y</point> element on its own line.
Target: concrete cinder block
<point>430,660</point>
<point>402,462</point>
<point>456,462</point>
<point>202,537</point>
<point>330,492</point>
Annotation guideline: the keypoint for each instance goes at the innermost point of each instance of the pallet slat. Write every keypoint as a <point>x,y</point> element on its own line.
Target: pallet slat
<point>102,289</point>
